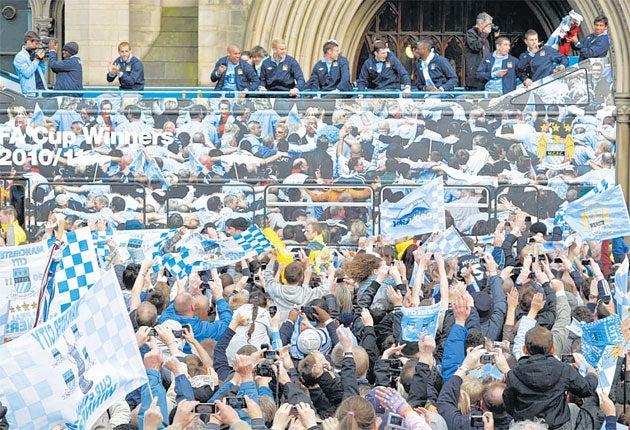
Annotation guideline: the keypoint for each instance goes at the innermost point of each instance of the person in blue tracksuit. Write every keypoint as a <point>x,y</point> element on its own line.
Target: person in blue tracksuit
<point>498,69</point>
<point>332,72</point>
<point>128,69</point>
<point>433,72</point>
<point>281,72</point>
<point>596,44</point>
<point>383,71</point>
<point>538,61</point>
<point>234,74</point>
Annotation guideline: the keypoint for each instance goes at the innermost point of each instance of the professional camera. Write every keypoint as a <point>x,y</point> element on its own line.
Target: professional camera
<point>46,40</point>
<point>495,28</point>
<point>264,369</point>
<point>395,366</point>
<point>41,53</point>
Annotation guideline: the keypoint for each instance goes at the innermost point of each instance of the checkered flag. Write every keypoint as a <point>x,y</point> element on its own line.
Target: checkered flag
<point>100,239</point>
<point>177,263</point>
<point>73,367</point>
<point>253,241</point>
<point>449,243</point>
<point>78,269</point>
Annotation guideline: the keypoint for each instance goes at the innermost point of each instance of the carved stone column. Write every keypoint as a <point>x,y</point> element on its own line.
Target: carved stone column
<point>622,101</point>
<point>44,26</point>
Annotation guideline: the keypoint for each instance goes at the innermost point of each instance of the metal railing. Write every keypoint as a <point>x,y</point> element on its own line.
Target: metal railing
<point>208,92</point>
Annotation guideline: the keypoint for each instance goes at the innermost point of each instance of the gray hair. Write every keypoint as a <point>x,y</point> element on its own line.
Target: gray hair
<point>483,17</point>
<point>529,425</point>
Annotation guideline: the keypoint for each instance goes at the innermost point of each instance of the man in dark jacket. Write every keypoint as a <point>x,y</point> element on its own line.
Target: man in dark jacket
<point>434,72</point>
<point>476,45</point>
<point>498,69</point>
<point>383,71</point>
<point>281,72</point>
<point>332,72</point>
<point>128,69</point>
<point>68,69</point>
<point>234,74</point>
<point>537,386</point>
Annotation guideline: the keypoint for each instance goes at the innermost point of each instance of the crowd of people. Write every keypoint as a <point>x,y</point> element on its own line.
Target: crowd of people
<point>337,159</point>
<point>317,343</point>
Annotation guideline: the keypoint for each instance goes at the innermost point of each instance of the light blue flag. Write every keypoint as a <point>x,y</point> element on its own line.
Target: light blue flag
<point>194,163</point>
<point>72,368</point>
<point>294,123</point>
<point>621,277</point>
<point>153,172</point>
<point>620,293</point>
<point>449,243</point>
<point>136,167</point>
<point>608,365</point>
<point>139,166</point>
<point>597,335</point>
<point>419,212</point>
<point>598,188</point>
<point>599,216</point>
<point>4,317</point>
<point>38,116</point>
<point>418,321</point>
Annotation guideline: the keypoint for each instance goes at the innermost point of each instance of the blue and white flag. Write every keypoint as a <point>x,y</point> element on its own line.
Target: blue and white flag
<point>449,244</point>
<point>421,320</point>
<point>597,335</point>
<point>559,220</point>
<point>4,317</point>
<point>419,212</point>
<point>621,277</point>
<point>620,293</point>
<point>38,116</point>
<point>140,166</point>
<point>608,365</point>
<point>199,253</point>
<point>294,123</point>
<point>21,272</point>
<point>600,215</point>
<point>78,270</point>
<point>73,367</point>
<point>47,288</point>
<point>133,246</point>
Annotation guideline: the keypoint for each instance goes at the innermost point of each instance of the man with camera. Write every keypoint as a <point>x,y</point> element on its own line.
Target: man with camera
<point>30,65</point>
<point>476,46</point>
<point>68,69</point>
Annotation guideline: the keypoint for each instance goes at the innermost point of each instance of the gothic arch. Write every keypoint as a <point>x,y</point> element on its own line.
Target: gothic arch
<point>47,16</point>
<point>306,24</point>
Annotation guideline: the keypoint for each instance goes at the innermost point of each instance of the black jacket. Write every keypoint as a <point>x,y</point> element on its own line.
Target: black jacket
<point>476,46</point>
<point>537,387</point>
<point>425,385</point>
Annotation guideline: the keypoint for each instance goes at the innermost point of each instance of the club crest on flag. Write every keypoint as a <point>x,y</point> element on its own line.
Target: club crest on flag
<point>421,211</point>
